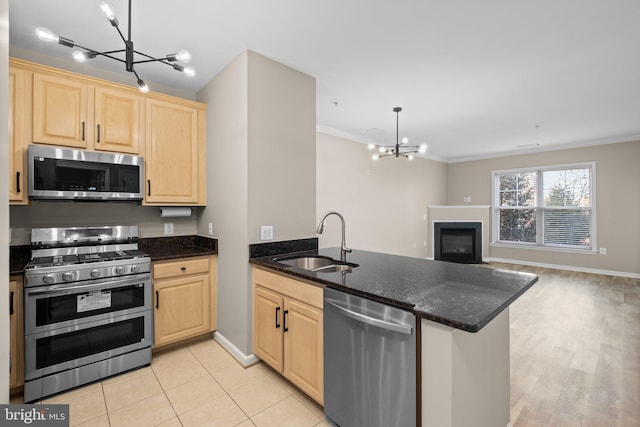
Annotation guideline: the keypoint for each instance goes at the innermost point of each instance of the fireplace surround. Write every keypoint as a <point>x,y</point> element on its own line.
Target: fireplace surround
<point>459,241</point>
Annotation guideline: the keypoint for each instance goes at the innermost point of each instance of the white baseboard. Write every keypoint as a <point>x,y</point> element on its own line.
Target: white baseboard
<point>569,268</point>
<point>244,359</point>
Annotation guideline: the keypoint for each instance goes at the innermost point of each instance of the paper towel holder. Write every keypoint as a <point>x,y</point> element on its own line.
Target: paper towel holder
<point>175,212</point>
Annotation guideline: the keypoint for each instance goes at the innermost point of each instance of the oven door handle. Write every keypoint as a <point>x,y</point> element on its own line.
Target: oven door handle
<point>71,288</point>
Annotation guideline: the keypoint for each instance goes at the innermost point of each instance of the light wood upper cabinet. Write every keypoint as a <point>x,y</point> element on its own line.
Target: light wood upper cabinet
<point>17,138</point>
<point>60,111</point>
<point>287,329</point>
<point>173,154</point>
<point>117,121</point>
<point>56,107</point>
<point>75,114</point>
<point>184,299</point>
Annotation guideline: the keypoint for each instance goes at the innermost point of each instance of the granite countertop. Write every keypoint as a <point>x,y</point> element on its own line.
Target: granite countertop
<point>158,248</point>
<point>165,248</point>
<point>462,296</point>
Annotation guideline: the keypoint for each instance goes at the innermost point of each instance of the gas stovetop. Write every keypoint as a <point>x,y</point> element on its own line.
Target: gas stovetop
<point>68,260</point>
<point>75,254</point>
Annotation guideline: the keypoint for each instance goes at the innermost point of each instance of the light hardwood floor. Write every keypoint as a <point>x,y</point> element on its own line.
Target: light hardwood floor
<point>575,351</point>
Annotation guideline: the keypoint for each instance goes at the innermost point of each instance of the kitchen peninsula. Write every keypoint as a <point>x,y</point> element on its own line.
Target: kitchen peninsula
<point>464,325</point>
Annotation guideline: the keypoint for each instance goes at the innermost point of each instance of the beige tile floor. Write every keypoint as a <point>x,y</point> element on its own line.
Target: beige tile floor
<point>195,385</point>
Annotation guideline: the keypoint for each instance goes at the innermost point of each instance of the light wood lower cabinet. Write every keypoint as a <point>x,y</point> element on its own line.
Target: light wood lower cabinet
<point>184,298</point>
<point>16,332</point>
<point>287,329</point>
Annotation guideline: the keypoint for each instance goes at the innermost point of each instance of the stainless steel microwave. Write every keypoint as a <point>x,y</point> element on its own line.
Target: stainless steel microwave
<point>57,173</point>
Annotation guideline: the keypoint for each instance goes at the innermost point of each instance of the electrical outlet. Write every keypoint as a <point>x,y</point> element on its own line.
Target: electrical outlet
<point>266,232</point>
<point>210,229</point>
<point>603,251</point>
<point>467,199</point>
<point>168,228</point>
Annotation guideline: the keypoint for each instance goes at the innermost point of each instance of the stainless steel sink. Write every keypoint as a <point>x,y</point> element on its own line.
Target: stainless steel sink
<point>307,262</point>
<point>317,264</point>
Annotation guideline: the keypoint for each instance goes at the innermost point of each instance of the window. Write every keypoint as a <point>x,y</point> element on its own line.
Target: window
<point>550,206</point>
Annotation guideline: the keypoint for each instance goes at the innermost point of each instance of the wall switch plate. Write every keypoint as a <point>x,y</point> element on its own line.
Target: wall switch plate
<point>266,232</point>
<point>603,251</point>
<point>168,228</point>
<point>210,229</point>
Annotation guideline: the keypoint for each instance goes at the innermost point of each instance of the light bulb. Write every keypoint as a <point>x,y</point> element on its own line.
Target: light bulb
<point>143,86</point>
<point>79,56</point>
<point>189,71</point>
<point>109,13</point>
<point>382,149</point>
<point>371,146</point>
<point>46,35</point>
<point>183,56</point>
<point>410,157</point>
<point>423,148</point>
<point>405,140</point>
<point>375,157</point>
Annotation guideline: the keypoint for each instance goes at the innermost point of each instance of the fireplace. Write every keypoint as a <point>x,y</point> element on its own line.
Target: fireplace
<point>458,242</point>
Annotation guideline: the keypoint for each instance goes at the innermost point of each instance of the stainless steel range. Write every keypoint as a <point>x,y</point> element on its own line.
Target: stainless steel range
<point>88,307</point>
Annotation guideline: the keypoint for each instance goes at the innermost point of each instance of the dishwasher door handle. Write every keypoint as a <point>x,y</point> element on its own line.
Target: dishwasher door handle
<point>395,327</point>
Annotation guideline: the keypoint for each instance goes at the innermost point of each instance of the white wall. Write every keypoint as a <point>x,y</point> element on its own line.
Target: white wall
<point>384,201</point>
<point>4,204</point>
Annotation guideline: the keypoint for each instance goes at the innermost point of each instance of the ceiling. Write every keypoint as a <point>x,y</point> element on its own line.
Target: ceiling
<point>475,78</point>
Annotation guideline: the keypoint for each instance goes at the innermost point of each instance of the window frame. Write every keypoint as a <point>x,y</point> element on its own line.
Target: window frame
<point>540,208</point>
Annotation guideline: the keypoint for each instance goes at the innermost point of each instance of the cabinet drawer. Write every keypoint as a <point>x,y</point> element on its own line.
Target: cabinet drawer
<point>180,268</point>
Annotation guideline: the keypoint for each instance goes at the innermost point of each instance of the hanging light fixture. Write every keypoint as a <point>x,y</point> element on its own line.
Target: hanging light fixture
<point>84,53</point>
<point>400,149</point>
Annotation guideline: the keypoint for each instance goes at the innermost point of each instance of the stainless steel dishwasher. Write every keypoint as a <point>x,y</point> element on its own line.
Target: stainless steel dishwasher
<point>369,362</point>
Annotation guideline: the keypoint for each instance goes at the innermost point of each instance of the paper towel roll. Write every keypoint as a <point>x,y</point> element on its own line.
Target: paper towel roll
<point>175,212</point>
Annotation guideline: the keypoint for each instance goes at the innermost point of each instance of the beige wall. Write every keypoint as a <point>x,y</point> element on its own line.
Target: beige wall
<point>227,177</point>
<point>68,214</point>
<point>617,203</point>
<point>282,150</point>
<point>4,196</point>
<point>260,171</point>
<point>384,201</point>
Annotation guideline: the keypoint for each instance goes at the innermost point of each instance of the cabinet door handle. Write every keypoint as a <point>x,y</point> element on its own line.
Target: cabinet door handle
<point>17,182</point>
<point>98,134</point>
<point>277,317</point>
<point>157,300</point>
<point>148,187</point>
<point>83,131</point>
<point>11,304</point>
<point>183,268</point>
<point>285,328</point>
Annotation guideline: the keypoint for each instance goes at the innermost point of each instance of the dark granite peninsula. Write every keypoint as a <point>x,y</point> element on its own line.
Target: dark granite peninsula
<point>464,325</point>
<point>462,296</point>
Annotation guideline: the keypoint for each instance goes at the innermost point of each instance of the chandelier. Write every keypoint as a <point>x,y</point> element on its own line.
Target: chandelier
<point>400,149</point>
<point>84,53</point>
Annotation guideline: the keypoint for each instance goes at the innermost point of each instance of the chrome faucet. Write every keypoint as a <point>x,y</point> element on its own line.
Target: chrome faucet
<point>344,249</point>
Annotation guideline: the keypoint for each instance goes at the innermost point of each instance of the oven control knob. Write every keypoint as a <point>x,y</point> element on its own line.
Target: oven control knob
<point>47,279</point>
<point>135,268</point>
<point>120,270</point>
<point>67,277</point>
<point>95,273</point>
